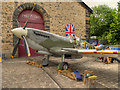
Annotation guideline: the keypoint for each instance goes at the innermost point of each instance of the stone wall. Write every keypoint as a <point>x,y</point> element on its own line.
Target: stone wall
<point>66,13</point>
<point>7,26</point>
<point>0,30</point>
<point>59,15</point>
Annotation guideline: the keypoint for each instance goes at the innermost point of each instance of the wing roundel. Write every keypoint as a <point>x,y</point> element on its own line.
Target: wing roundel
<point>86,45</point>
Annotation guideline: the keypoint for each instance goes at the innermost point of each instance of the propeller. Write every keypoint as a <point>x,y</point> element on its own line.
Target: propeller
<point>15,48</point>
<point>23,36</point>
<point>29,16</point>
<point>18,23</point>
<point>26,46</point>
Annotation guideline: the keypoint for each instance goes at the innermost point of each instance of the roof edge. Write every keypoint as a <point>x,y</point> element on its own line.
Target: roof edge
<point>86,6</point>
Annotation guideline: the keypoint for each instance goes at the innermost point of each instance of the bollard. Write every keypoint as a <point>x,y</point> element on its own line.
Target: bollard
<point>85,73</point>
<point>0,59</point>
<point>89,79</point>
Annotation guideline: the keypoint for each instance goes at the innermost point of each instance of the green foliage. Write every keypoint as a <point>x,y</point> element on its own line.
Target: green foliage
<point>100,20</point>
<point>119,11</point>
<point>105,23</point>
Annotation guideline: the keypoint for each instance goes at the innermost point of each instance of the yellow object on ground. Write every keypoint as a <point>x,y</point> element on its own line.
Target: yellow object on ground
<point>92,77</point>
<point>89,81</point>
<point>39,66</point>
<point>85,72</point>
<point>108,60</point>
<point>69,73</point>
<point>12,57</point>
<point>35,63</point>
<point>0,59</point>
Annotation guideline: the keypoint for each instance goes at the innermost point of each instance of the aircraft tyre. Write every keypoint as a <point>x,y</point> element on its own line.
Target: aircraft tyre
<point>46,65</point>
<point>45,62</point>
<point>63,66</point>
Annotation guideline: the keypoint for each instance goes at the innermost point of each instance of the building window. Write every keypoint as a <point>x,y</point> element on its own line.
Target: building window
<point>87,13</point>
<point>87,21</point>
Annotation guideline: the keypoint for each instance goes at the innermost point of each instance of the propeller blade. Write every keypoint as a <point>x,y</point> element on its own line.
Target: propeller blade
<point>15,48</point>
<point>26,46</point>
<point>29,17</point>
<point>18,23</point>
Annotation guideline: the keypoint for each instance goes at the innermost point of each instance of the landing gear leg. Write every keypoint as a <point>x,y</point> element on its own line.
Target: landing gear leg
<point>45,61</point>
<point>63,65</point>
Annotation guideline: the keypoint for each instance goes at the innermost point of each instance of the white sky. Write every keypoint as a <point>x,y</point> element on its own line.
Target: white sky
<point>110,3</point>
<point>90,3</point>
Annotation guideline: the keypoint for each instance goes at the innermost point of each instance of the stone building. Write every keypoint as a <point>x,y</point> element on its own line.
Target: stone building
<point>54,16</point>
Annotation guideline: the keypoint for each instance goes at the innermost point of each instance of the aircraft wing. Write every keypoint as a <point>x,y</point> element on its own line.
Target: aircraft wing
<point>94,52</point>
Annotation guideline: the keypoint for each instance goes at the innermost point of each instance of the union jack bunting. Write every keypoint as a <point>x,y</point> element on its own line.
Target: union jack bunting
<point>70,30</point>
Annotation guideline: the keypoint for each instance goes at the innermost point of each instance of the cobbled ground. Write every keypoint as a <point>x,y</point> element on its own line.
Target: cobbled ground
<point>17,74</point>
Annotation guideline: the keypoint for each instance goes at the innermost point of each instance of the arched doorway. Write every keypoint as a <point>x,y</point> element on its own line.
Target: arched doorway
<point>36,21</point>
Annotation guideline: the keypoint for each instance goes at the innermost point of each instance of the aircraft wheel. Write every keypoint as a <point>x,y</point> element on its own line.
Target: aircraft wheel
<point>63,66</point>
<point>45,62</point>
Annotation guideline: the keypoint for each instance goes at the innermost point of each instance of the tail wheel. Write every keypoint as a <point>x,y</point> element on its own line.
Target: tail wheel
<point>63,66</point>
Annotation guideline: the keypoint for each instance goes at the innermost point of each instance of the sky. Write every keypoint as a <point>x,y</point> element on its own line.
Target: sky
<point>110,3</point>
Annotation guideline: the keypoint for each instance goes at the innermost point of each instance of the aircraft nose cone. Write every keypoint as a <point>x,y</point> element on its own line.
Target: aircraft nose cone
<point>14,31</point>
<point>19,32</point>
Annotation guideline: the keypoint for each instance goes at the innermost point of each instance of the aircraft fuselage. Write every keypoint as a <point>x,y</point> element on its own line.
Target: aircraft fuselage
<point>43,42</point>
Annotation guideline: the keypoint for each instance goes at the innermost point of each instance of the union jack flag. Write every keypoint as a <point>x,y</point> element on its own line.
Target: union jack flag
<point>70,30</point>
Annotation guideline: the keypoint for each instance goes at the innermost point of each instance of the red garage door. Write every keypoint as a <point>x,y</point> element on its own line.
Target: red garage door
<point>36,21</point>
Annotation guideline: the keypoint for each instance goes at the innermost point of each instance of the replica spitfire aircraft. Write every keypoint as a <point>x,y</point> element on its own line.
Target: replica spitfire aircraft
<point>54,45</point>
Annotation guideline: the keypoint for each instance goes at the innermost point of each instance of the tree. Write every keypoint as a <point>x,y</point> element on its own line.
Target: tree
<point>101,20</point>
<point>119,11</point>
<point>114,31</point>
<point>105,23</point>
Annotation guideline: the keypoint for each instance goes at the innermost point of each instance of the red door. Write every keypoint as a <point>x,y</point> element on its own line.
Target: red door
<point>36,21</point>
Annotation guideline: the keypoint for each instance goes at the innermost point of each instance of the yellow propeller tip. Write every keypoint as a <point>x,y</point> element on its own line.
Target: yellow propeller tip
<point>11,56</point>
<point>28,55</point>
